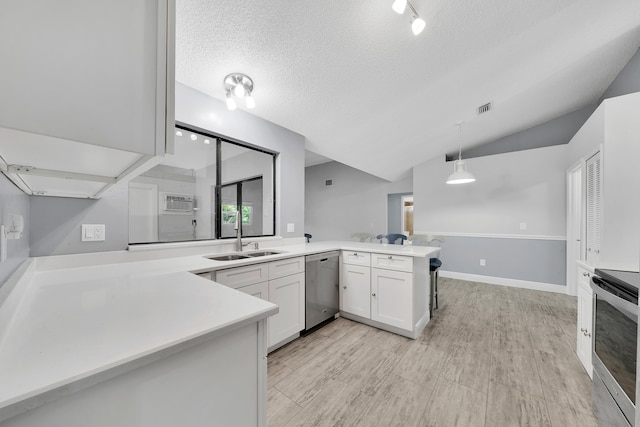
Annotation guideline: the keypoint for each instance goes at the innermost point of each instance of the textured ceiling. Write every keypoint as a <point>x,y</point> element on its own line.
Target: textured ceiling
<point>351,77</point>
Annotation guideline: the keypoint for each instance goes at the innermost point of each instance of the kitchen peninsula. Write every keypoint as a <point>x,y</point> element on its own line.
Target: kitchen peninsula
<point>150,343</point>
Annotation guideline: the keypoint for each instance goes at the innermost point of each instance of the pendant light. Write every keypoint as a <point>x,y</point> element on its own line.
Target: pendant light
<point>460,174</point>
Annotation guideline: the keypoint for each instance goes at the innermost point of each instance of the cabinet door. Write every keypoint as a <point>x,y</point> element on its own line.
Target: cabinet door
<point>355,290</point>
<point>391,298</point>
<point>594,208</point>
<point>93,72</point>
<point>288,294</point>
<point>585,321</point>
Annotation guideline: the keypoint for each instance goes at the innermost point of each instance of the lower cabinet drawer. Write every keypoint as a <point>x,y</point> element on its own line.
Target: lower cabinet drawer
<point>242,276</point>
<point>392,262</point>
<point>356,258</point>
<point>286,267</point>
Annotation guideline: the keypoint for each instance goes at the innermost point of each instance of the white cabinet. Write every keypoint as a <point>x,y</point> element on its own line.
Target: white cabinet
<point>355,295</point>
<point>386,291</point>
<point>288,293</point>
<point>585,318</point>
<point>281,282</point>
<point>95,79</point>
<point>593,208</point>
<point>392,297</point>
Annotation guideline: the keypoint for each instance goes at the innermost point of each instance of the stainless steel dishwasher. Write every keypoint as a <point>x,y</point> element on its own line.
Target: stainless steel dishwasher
<point>321,288</point>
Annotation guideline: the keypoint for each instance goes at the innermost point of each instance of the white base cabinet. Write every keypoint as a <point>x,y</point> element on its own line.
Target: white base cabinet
<point>288,293</point>
<point>281,282</point>
<point>356,290</point>
<point>391,297</point>
<point>390,292</point>
<point>584,345</point>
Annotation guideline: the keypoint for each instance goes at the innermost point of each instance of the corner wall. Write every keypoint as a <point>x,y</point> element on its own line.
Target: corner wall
<point>13,202</point>
<point>483,220</point>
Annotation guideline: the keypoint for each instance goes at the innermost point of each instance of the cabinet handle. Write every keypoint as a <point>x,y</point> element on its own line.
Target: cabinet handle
<point>373,294</point>
<point>355,254</point>
<point>587,334</point>
<point>597,251</point>
<point>344,287</point>
<point>390,257</point>
<point>583,330</point>
<point>585,274</point>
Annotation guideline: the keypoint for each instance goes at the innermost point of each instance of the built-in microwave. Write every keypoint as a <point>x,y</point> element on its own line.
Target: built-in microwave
<point>615,346</point>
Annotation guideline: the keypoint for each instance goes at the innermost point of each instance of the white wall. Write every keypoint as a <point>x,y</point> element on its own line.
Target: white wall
<point>512,188</point>
<point>620,247</point>
<point>198,109</point>
<point>356,202</point>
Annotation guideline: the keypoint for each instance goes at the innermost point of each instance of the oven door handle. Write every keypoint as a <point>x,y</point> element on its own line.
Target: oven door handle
<point>627,307</point>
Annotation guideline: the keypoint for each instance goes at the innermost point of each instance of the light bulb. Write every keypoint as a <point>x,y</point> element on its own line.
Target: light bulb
<point>417,26</point>
<point>251,103</point>
<point>231,103</point>
<point>239,90</point>
<point>206,141</point>
<point>399,6</point>
<point>194,136</point>
<point>178,133</point>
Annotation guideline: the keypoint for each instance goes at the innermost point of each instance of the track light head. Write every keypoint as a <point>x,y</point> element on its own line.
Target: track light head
<point>399,6</point>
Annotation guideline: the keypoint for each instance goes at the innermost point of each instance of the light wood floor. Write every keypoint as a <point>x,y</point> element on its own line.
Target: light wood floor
<point>491,356</point>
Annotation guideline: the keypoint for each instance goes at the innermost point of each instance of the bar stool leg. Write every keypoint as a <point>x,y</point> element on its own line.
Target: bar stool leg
<point>435,287</point>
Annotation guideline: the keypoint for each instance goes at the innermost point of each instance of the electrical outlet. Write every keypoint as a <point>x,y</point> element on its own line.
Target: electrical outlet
<point>483,262</point>
<point>523,226</point>
<point>93,232</point>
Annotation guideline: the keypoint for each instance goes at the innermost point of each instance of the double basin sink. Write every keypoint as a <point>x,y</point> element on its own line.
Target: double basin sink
<point>233,257</point>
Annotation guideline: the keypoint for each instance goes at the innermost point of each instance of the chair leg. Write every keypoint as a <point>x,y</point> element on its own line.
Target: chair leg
<point>435,287</point>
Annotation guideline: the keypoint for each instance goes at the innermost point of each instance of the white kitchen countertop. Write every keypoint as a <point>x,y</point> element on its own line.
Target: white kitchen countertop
<point>68,328</point>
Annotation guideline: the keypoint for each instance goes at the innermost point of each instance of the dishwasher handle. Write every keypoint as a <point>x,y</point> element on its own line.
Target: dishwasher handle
<point>322,257</point>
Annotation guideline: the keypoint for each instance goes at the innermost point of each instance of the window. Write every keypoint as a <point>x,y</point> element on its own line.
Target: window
<point>195,194</point>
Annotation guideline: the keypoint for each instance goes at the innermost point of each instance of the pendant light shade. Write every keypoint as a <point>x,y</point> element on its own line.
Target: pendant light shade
<point>460,174</point>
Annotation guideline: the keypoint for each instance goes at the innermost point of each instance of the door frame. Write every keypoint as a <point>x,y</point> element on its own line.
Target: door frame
<point>575,220</point>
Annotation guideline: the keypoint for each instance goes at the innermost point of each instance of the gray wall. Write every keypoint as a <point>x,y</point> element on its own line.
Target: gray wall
<point>56,222</point>
<point>533,260</point>
<point>482,220</point>
<point>355,202</point>
<point>628,80</point>
<point>13,201</point>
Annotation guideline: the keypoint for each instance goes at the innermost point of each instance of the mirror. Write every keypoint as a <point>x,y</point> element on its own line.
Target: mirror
<point>191,195</point>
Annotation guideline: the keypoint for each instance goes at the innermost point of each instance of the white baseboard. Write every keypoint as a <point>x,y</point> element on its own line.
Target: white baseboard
<point>515,283</point>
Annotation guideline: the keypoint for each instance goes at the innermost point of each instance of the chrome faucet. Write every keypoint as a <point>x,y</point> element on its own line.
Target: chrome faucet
<point>238,233</point>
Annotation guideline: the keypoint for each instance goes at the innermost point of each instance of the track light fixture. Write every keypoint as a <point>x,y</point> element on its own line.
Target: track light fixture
<point>239,85</point>
<point>417,23</point>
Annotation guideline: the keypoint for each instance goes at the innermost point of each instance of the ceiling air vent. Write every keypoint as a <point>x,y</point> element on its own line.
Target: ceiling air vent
<point>484,108</point>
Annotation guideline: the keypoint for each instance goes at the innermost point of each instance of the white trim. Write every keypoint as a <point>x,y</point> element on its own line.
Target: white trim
<point>514,283</point>
<point>494,236</point>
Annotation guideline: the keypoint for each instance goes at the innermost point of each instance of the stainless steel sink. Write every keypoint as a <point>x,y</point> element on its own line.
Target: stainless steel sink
<point>262,253</point>
<point>231,257</point>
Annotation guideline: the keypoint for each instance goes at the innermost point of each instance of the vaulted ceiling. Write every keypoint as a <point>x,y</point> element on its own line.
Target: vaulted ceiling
<point>352,78</point>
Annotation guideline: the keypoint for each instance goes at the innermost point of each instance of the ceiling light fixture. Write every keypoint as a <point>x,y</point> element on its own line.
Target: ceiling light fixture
<point>241,86</point>
<point>399,6</point>
<point>460,174</point>
<point>417,23</point>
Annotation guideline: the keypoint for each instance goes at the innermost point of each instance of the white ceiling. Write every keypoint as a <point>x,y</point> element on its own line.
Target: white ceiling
<point>352,78</point>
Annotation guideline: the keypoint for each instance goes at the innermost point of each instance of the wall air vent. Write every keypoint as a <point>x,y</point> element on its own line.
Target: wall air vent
<point>484,108</point>
<point>328,182</point>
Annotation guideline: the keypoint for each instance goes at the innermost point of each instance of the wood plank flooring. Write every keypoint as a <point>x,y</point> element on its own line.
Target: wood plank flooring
<point>491,356</point>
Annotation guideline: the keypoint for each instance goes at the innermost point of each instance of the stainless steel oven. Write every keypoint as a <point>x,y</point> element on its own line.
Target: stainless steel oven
<point>615,346</point>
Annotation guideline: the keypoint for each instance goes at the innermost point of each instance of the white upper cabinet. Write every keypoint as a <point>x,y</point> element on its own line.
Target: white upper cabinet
<point>87,92</point>
<point>594,208</point>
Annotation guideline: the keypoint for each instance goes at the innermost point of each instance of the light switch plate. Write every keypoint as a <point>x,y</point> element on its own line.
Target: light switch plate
<point>3,244</point>
<point>291,227</point>
<point>93,232</point>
